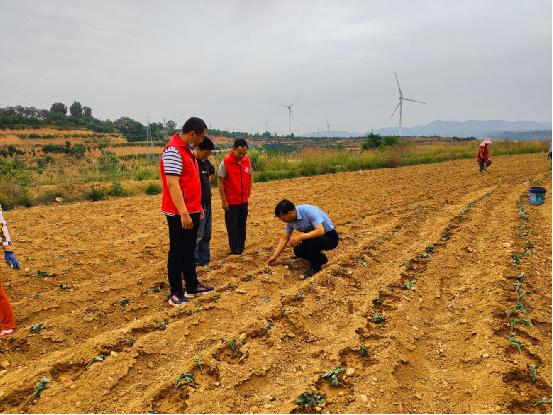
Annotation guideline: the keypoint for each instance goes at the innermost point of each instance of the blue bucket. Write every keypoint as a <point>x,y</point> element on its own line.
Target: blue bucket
<point>537,195</point>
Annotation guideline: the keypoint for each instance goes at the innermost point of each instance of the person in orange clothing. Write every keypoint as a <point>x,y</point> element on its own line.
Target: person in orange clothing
<point>483,156</point>
<point>7,320</point>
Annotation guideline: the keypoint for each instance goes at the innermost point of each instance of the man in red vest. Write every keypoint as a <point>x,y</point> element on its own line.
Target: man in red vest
<point>181,203</point>
<point>235,187</point>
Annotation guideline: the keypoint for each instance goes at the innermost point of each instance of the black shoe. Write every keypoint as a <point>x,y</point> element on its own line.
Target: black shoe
<point>234,253</point>
<point>311,271</point>
<point>325,259</point>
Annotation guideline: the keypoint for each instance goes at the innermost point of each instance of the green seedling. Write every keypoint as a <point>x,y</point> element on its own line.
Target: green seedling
<point>446,234</point>
<point>36,328</point>
<point>231,287</point>
<point>378,318</point>
<point>310,399</point>
<point>99,358</point>
<point>519,306</point>
<point>183,378</point>
<point>533,372</point>
<point>268,326</point>
<point>332,376</point>
<point>363,263</point>
<point>408,285</point>
<point>404,263</point>
<point>530,245</point>
<point>130,342</point>
<point>64,287</point>
<point>155,289</point>
<point>234,347</point>
<point>42,274</point>
<point>298,296</point>
<point>283,311</point>
<point>514,322</point>
<point>124,302</point>
<point>515,342</point>
<point>163,325</point>
<point>410,267</point>
<point>363,352</point>
<point>198,361</point>
<point>515,258</point>
<point>543,401</point>
<point>522,214</point>
<point>41,385</point>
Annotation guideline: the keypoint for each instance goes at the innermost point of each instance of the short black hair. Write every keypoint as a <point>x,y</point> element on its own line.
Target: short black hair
<point>194,124</point>
<point>206,144</point>
<point>283,207</point>
<point>240,143</point>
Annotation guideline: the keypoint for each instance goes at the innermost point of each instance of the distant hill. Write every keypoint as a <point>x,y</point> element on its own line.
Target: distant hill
<point>522,135</point>
<point>332,134</point>
<point>469,128</point>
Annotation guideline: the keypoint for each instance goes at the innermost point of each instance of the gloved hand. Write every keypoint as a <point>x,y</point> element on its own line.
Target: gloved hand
<point>11,260</point>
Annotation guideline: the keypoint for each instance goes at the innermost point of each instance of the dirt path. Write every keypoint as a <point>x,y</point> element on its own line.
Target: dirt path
<point>442,346</point>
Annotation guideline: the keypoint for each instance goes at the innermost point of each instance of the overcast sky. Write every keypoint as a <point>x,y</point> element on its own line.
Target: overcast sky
<point>226,61</point>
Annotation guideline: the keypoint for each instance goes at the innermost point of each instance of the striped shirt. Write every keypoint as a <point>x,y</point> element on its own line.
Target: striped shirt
<point>4,234</point>
<point>172,165</point>
<point>172,161</point>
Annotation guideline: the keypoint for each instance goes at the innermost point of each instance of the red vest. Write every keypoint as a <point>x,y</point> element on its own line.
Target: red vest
<point>189,180</point>
<point>237,180</point>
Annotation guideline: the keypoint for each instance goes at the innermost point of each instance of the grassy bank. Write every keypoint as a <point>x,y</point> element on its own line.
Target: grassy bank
<point>29,180</point>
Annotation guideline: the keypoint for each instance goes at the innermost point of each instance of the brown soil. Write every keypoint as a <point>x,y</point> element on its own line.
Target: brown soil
<point>442,346</point>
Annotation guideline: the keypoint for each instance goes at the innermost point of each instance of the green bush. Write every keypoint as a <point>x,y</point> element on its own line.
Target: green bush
<point>153,189</point>
<point>95,194</point>
<point>117,190</point>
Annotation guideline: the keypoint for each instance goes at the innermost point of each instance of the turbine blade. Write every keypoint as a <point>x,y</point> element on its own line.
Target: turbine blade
<point>299,96</point>
<point>412,100</point>
<point>292,114</point>
<point>398,104</point>
<point>398,87</point>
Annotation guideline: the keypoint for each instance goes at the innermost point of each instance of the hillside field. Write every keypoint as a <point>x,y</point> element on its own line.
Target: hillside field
<point>437,299</point>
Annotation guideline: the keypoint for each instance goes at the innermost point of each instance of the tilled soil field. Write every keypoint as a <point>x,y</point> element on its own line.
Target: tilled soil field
<point>437,299</point>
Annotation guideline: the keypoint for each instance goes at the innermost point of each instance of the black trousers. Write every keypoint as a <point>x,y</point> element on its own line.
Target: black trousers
<point>310,249</point>
<point>235,218</point>
<point>181,261</point>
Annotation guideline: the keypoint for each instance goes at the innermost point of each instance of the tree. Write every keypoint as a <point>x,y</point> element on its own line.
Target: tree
<point>87,112</point>
<point>76,109</point>
<point>131,129</point>
<point>58,108</point>
<point>171,125</point>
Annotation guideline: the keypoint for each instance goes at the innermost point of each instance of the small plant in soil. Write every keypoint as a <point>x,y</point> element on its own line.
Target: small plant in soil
<point>332,376</point>
<point>378,318</point>
<point>64,287</point>
<point>36,328</point>
<point>130,342</point>
<point>429,249</point>
<point>519,306</point>
<point>408,285</point>
<point>543,401</point>
<point>533,369</point>
<point>522,214</point>
<point>446,234</point>
<point>310,399</point>
<point>163,325</point>
<point>99,358</point>
<point>123,302</point>
<point>298,296</point>
<point>515,258</point>
<point>42,274</point>
<point>198,361</point>
<point>515,342</point>
<point>183,378</point>
<point>268,326</point>
<point>234,347</point>
<point>363,352</point>
<point>516,321</point>
<point>41,385</point>
<point>378,302</point>
<point>231,287</point>
<point>530,245</point>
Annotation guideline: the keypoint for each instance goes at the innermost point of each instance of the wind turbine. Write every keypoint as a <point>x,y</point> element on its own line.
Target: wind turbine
<point>400,105</point>
<point>290,113</point>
